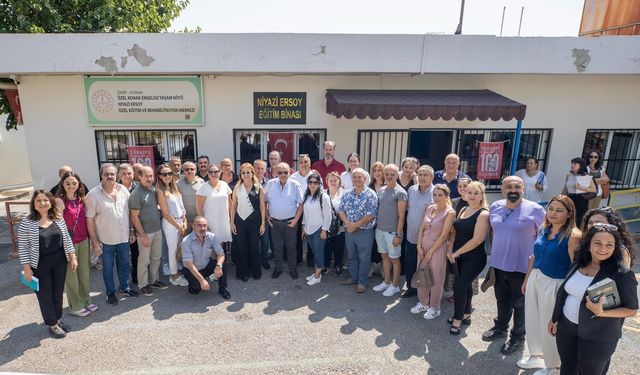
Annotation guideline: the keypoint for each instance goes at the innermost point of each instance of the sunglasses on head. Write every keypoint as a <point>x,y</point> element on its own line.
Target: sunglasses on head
<point>605,227</point>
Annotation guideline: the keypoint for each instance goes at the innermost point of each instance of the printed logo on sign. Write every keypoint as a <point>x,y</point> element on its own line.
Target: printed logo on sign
<point>102,101</point>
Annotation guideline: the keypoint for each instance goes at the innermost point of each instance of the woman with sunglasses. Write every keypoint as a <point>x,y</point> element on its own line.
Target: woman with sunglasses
<point>248,222</point>
<point>548,266</point>
<point>587,333</point>
<point>575,187</point>
<point>70,202</point>
<point>316,221</point>
<point>596,170</point>
<point>213,200</point>
<point>606,215</point>
<point>466,249</point>
<point>174,220</point>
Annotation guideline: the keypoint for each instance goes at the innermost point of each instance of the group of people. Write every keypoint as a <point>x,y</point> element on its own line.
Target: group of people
<point>412,217</point>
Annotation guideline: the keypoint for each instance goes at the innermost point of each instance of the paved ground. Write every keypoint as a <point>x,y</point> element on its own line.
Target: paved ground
<point>268,327</point>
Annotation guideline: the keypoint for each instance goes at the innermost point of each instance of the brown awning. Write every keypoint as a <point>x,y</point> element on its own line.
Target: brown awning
<point>423,104</point>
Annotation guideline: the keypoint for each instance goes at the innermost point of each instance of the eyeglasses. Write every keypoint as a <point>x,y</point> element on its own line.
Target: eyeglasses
<point>594,157</point>
<point>605,227</point>
<point>313,182</point>
<point>506,215</point>
<point>282,172</point>
<point>214,172</point>
<point>165,174</point>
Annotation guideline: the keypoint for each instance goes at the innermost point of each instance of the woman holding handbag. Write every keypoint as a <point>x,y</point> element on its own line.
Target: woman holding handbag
<point>432,250</point>
<point>467,240</point>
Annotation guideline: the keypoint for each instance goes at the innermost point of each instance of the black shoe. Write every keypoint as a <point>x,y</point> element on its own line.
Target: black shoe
<point>465,322</point>
<point>276,274</point>
<point>512,346</point>
<point>194,291</point>
<point>147,291</point>
<point>409,293</point>
<point>325,270</point>
<point>159,285</point>
<point>56,332</point>
<point>493,334</point>
<point>64,326</point>
<point>294,274</point>
<point>224,293</point>
<point>266,265</point>
<point>129,293</point>
<point>245,279</point>
<point>112,299</point>
<point>338,271</point>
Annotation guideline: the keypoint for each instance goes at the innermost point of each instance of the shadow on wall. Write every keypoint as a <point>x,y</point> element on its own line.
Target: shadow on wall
<point>13,147</point>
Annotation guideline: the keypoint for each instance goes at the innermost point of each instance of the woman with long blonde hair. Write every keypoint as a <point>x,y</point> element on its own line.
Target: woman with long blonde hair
<point>174,221</point>
<point>247,222</point>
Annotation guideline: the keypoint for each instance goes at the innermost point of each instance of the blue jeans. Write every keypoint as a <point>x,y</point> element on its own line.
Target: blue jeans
<point>109,254</point>
<point>317,246</point>
<point>359,252</point>
<point>264,244</point>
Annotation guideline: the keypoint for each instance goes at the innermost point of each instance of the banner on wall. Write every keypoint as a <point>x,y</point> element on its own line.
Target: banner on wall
<point>171,100</point>
<point>279,108</point>
<point>490,160</point>
<point>142,155</point>
<point>14,103</point>
<point>284,142</point>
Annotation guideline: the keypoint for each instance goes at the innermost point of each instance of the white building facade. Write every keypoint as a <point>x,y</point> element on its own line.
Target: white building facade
<point>568,112</point>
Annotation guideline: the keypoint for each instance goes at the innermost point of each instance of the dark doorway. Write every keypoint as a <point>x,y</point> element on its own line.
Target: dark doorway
<point>430,146</point>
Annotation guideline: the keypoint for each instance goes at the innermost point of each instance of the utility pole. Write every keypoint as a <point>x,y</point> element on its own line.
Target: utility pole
<point>504,9</point>
<point>459,29</point>
<point>520,25</point>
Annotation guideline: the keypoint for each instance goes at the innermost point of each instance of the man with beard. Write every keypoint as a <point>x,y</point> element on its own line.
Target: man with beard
<point>328,164</point>
<point>515,222</point>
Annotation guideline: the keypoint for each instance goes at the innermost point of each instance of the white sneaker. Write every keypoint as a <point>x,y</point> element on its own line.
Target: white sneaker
<point>431,313</point>
<point>213,277</point>
<point>530,362</point>
<point>391,290</point>
<point>313,280</point>
<point>547,371</point>
<point>311,276</point>
<point>380,287</point>
<point>179,281</point>
<point>165,269</point>
<point>418,308</point>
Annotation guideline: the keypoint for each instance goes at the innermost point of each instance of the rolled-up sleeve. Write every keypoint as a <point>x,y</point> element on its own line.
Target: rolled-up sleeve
<point>187,251</point>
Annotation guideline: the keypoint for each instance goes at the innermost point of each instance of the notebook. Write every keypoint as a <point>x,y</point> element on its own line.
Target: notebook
<point>34,284</point>
<point>606,288</point>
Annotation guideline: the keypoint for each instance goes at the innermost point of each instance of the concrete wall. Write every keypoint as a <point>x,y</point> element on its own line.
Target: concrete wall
<point>57,131</point>
<point>14,158</point>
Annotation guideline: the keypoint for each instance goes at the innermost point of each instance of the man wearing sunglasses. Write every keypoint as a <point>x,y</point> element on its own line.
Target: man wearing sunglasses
<point>284,208</point>
<point>515,222</point>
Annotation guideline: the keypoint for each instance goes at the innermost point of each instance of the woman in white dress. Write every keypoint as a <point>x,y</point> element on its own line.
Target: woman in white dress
<point>213,200</point>
<point>174,221</point>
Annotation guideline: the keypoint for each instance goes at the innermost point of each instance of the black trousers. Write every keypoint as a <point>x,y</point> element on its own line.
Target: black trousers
<point>469,267</point>
<point>51,271</point>
<point>582,206</point>
<point>580,356</point>
<point>335,246</point>
<point>281,236</point>
<point>510,301</point>
<point>410,263</point>
<point>194,284</point>
<point>248,250</point>
<point>134,262</point>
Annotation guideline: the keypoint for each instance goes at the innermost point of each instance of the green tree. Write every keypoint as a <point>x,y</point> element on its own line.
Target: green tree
<point>84,16</point>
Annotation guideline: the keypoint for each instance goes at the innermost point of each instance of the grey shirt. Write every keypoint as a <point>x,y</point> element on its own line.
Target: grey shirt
<point>417,204</point>
<point>388,207</point>
<point>200,255</point>
<point>188,191</point>
<point>145,201</point>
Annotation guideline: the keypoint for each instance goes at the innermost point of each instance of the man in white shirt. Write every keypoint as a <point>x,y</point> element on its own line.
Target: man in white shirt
<point>284,208</point>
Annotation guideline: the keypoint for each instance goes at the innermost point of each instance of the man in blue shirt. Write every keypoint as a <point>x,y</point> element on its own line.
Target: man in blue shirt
<point>202,256</point>
<point>450,174</point>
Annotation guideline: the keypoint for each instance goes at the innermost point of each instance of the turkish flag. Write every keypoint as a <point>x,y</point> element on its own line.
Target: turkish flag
<point>284,143</point>
<point>14,102</point>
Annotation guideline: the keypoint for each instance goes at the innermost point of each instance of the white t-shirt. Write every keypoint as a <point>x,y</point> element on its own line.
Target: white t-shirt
<point>576,287</point>
<point>216,209</point>
<point>345,180</point>
<point>316,216</point>
<point>530,191</point>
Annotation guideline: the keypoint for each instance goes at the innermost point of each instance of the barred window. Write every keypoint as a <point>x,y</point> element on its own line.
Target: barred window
<point>621,154</point>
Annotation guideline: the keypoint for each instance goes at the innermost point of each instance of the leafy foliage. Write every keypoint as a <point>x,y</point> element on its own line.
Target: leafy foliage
<point>84,16</point>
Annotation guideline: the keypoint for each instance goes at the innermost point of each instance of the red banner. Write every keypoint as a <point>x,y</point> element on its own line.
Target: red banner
<point>283,142</point>
<point>490,160</point>
<point>14,102</point>
<point>142,155</point>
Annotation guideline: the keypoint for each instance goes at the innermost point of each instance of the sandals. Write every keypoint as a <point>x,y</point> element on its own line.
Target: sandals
<point>455,331</point>
<point>466,321</point>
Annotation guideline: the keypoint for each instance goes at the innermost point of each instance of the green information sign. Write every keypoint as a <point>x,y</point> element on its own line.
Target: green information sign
<point>172,100</point>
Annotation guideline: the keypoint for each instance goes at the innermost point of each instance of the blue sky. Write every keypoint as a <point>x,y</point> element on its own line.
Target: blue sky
<point>482,17</point>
